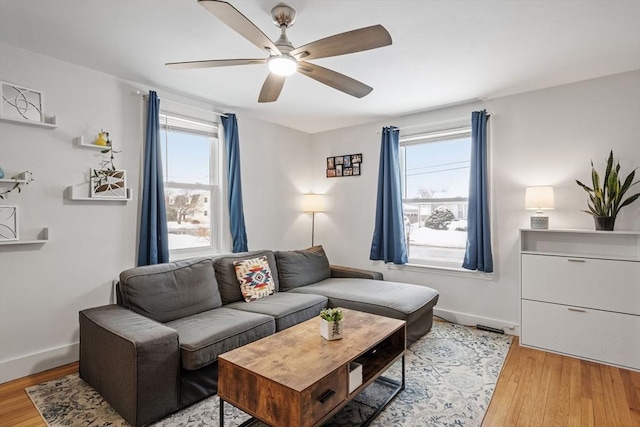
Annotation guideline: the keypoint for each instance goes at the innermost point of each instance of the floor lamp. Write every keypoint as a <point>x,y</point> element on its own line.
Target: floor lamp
<point>313,203</point>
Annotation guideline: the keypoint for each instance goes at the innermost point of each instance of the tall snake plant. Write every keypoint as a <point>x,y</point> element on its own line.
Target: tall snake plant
<point>607,200</point>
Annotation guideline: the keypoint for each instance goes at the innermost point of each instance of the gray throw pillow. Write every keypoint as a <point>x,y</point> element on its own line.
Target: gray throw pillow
<point>302,267</point>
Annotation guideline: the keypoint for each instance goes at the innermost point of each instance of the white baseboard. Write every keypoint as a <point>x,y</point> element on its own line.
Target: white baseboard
<point>473,320</point>
<point>38,362</point>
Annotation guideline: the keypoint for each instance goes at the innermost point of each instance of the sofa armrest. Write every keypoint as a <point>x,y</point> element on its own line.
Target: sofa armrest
<point>131,360</point>
<point>356,273</point>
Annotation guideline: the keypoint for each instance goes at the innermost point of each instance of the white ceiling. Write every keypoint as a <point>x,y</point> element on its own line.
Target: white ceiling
<point>443,52</point>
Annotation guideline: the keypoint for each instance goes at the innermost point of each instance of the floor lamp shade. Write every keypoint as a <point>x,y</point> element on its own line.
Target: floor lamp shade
<point>539,198</point>
<point>313,203</point>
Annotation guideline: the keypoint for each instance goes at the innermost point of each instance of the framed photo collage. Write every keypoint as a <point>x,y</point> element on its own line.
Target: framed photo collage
<point>347,165</point>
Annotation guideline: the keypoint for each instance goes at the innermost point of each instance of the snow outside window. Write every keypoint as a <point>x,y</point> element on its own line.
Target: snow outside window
<point>435,174</point>
<point>190,167</point>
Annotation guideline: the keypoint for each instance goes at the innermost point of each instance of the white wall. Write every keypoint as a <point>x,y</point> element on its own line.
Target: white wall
<point>42,287</point>
<point>542,137</point>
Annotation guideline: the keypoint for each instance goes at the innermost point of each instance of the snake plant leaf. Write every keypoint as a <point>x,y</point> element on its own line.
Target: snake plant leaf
<point>629,201</point>
<point>587,189</point>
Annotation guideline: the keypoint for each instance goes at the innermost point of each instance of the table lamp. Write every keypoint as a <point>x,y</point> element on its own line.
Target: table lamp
<point>539,198</point>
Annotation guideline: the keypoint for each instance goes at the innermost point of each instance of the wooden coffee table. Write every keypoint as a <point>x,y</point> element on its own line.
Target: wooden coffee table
<point>297,378</point>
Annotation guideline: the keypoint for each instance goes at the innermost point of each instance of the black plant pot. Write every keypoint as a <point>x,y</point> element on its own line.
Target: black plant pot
<point>605,223</point>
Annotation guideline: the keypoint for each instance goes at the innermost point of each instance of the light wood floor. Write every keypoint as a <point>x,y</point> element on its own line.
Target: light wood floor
<point>535,388</point>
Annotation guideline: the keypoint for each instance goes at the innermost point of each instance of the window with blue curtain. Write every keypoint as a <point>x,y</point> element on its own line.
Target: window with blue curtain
<point>236,209</point>
<point>478,255</point>
<point>388,243</point>
<point>153,242</point>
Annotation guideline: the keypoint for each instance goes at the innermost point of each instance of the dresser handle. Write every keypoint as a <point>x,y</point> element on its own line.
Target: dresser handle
<point>326,396</point>
<point>575,260</point>
<point>579,310</point>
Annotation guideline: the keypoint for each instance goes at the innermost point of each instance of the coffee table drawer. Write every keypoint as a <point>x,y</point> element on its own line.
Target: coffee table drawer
<point>319,399</point>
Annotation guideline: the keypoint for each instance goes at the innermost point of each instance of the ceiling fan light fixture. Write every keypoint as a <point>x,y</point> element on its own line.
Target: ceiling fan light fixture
<point>284,65</point>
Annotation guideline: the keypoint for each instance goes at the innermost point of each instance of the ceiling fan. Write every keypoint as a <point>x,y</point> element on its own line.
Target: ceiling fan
<point>284,59</point>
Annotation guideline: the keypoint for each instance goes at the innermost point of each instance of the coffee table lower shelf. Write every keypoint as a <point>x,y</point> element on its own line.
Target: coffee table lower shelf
<point>395,386</point>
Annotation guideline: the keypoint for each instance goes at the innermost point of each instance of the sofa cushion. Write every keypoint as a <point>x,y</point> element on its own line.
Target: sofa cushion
<point>226,273</point>
<point>287,308</point>
<point>302,267</point>
<point>254,276</point>
<point>165,292</point>
<point>204,336</point>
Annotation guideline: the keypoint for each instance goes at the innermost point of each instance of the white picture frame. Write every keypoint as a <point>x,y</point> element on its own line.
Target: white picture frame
<point>21,103</point>
<point>108,184</point>
<point>9,228</point>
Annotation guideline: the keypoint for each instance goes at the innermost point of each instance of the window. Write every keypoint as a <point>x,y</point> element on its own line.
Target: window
<point>190,166</point>
<point>435,173</point>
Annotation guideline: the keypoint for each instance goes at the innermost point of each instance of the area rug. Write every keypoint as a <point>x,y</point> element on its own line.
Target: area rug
<point>450,377</point>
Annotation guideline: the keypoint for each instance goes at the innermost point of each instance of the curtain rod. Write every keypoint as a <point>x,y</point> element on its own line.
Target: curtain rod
<point>145,95</point>
<point>438,123</point>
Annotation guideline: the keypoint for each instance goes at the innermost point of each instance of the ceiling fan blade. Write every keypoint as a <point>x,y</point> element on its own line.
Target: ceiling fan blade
<point>335,80</point>
<point>341,44</point>
<point>239,23</point>
<point>213,63</point>
<point>271,88</point>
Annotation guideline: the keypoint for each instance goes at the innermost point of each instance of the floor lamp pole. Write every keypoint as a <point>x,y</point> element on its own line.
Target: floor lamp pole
<point>313,225</point>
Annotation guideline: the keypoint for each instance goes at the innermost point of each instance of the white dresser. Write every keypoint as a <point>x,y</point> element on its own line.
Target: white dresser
<point>581,294</point>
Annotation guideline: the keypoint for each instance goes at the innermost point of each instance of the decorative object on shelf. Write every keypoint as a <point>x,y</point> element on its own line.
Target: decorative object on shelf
<point>606,200</point>
<point>102,139</point>
<point>108,184</point>
<point>346,165</point>
<point>1,173</point>
<point>23,178</point>
<point>313,203</point>
<point>9,223</point>
<point>331,323</point>
<point>21,103</point>
<point>539,198</point>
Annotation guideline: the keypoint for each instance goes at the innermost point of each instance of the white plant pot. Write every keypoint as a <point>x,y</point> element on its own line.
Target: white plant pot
<point>331,330</point>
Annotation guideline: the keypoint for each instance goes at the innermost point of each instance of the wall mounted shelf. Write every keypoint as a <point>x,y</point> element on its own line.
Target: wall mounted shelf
<point>80,193</point>
<point>13,181</point>
<point>43,237</point>
<point>79,142</point>
<point>49,123</point>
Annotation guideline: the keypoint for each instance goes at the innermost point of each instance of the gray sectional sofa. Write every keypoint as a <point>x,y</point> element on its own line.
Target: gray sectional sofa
<point>156,350</point>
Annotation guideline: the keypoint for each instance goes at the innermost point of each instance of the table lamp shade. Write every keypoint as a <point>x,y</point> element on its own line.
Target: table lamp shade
<point>539,198</point>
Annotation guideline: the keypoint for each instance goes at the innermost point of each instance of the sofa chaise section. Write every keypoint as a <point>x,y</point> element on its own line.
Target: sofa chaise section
<point>309,272</point>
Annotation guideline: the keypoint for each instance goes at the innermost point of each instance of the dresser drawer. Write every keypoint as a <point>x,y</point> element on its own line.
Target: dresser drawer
<point>583,282</point>
<point>602,336</point>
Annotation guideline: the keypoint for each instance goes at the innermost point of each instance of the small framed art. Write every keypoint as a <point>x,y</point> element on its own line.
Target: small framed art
<point>21,103</point>
<point>9,223</point>
<point>108,184</point>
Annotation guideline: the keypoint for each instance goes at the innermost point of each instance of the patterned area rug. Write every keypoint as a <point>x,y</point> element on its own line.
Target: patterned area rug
<point>450,377</point>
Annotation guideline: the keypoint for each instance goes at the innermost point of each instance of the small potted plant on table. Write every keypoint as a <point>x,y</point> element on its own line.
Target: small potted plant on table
<point>331,323</point>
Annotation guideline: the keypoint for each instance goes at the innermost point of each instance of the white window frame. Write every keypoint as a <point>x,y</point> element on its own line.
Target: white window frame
<point>422,138</point>
<point>169,121</point>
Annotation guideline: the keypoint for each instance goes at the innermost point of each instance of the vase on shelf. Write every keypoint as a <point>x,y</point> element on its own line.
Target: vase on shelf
<point>604,223</point>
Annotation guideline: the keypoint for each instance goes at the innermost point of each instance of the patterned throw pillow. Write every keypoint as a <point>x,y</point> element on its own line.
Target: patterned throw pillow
<point>254,276</point>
